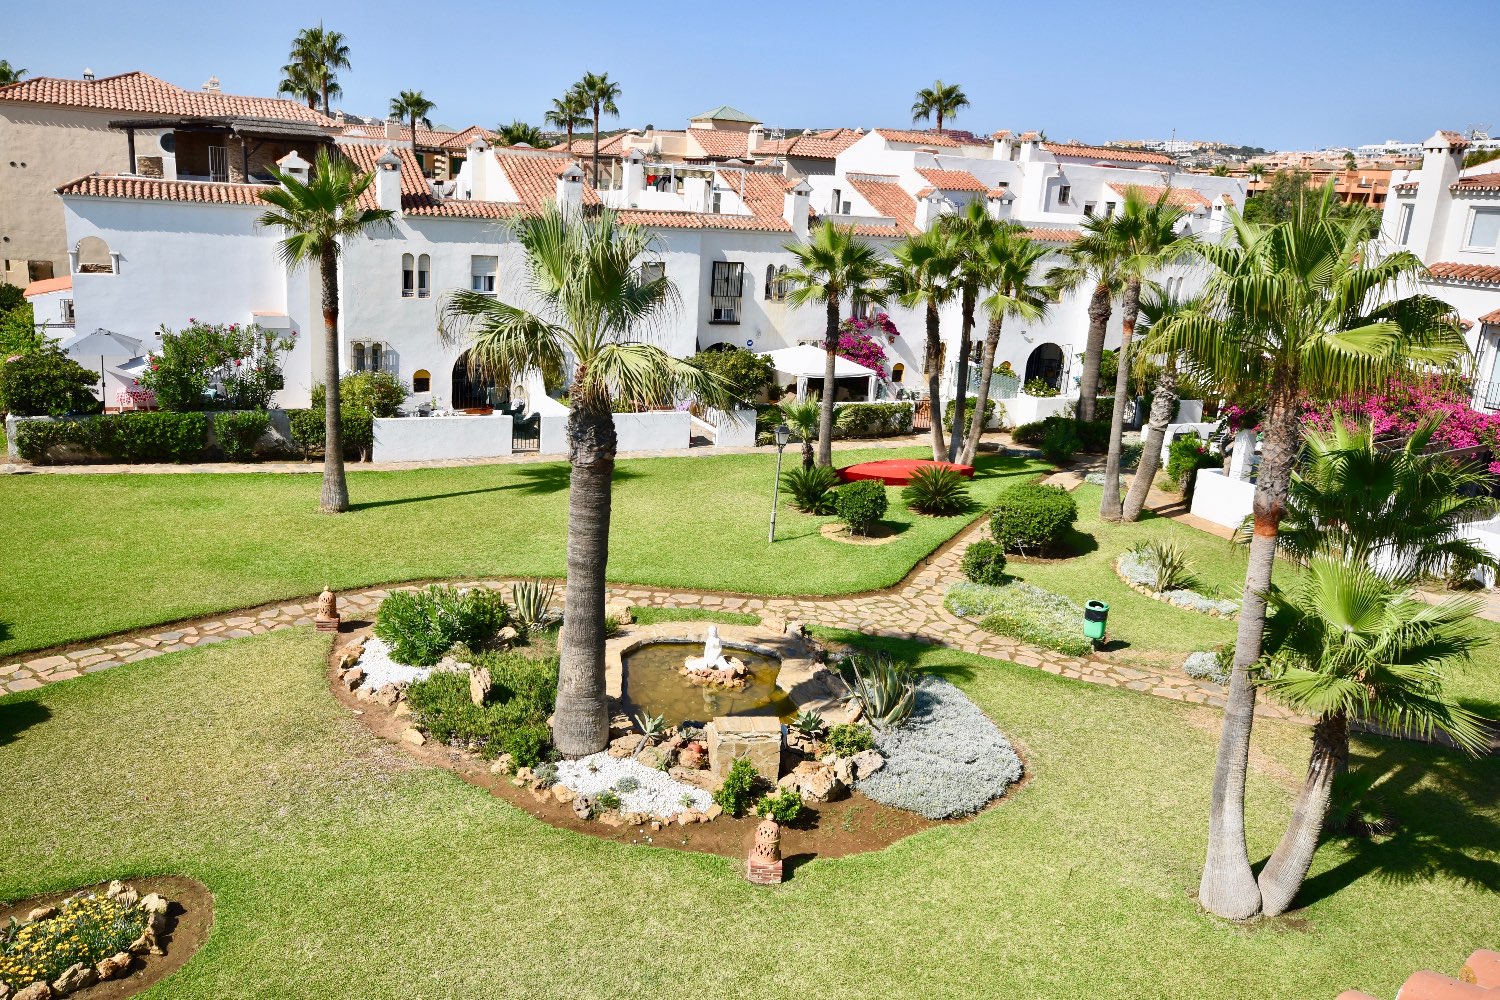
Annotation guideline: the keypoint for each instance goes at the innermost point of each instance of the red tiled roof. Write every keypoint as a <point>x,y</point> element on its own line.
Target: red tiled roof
<point>720,143</point>
<point>48,285</point>
<point>812,145</point>
<point>1181,197</point>
<point>609,145</point>
<point>426,138</point>
<point>1104,153</point>
<point>1493,318</point>
<point>1479,182</point>
<point>535,177</point>
<point>890,200</point>
<point>156,189</point>
<point>145,94</point>
<point>1029,136</point>
<point>1002,134</point>
<point>917,138</point>
<point>999,192</point>
<point>951,180</point>
<point>461,140</point>
<point>1046,235</point>
<point>1487,274</point>
<point>1456,140</point>
<point>927,192</point>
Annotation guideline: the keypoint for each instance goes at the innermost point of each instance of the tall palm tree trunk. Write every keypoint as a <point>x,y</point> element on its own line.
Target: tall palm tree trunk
<point>1284,872</point>
<point>596,146</point>
<point>1100,306</point>
<point>1109,507</point>
<point>580,724</point>
<point>962,389</point>
<point>335,498</point>
<point>987,373</point>
<point>1228,886</point>
<point>825,411</point>
<point>808,460</point>
<point>326,112</point>
<point>935,381</point>
<point>1162,406</point>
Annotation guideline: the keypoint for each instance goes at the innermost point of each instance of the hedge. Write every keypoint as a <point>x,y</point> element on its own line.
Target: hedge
<point>873,419</point>
<point>309,431</point>
<point>989,412</point>
<point>1093,435</point>
<point>125,437</point>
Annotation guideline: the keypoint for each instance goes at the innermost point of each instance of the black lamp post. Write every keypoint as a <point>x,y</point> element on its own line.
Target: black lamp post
<point>783,434</point>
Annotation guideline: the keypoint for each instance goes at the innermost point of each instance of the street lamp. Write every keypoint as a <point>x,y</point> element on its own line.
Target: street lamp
<point>783,434</point>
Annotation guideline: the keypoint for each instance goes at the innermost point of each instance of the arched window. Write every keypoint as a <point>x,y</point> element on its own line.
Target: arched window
<point>92,256</point>
<point>1045,363</point>
<point>424,276</point>
<point>421,380</point>
<point>770,282</point>
<point>898,372</point>
<point>359,357</point>
<point>408,276</point>
<point>375,358</point>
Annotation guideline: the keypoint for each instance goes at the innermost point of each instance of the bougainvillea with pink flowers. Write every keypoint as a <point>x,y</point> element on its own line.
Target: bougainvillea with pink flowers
<point>860,341</point>
<point>1397,409</point>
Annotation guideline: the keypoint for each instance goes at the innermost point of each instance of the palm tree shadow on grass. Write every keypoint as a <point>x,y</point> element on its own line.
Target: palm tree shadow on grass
<point>18,716</point>
<point>554,477</point>
<point>1439,834</point>
<point>397,501</point>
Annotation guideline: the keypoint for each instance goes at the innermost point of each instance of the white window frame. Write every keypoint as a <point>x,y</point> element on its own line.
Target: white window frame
<point>653,270</point>
<point>481,275</point>
<point>408,276</point>
<point>1488,211</point>
<point>1403,223</point>
<point>1064,194</point>
<point>424,276</point>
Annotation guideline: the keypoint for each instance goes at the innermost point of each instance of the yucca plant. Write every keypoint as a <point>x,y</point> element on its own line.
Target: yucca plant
<point>811,489</point>
<point>533,604</point>
<point>1169,564</point>
<point>884,689</point>
<point>938,491</point>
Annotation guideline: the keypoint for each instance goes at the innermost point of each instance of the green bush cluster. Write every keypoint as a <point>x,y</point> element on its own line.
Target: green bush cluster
<point>372,394</point>
<point>740,785</point>
<point>513,718</point>
<point>848,738</point>
<point>937,491</point>
<point>244,361</point>
<point>811,490</point>
<point>1092,435</point>
<point>1040,387</point>
<point>1025,612</point>
<point>309,431</point>
<point>990,407</point>
<point>861,504</point>
<point>125,437</point>
<point>1032,517</point>
<point>873,419</point>
<point>238,431</point>
<point>784,807</point>
<point>984,562</point>
<point>1060,443</point>
<point>745,374</point>
<point>421,625</point>
<point>46,383</point>
<point>1185,456</point>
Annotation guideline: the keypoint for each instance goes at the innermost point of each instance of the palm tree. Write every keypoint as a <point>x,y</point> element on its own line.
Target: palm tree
<point>518,132</point>
<point>1157,307</point>
<point>1255,171</point>
<point>972,229</point>
<point>942,100</point>
<point>598,93</point>
<point>592,299</point>
<point>801,416</point>
<point>321,54</point>
<point>298,80</point>
<point>1010,259</point>
<point>1345,644</point>
<point>413,106</point>
<point>1148,238</point>
<point>1397,510</point>
<point>926,273</point>
<point>9,74</point>
<point>1093,257</point>
<point>1219,170</point>
<point>318,217</point>
<point>833,264</point>
<point>1295,309</point>
<point>567,113</point>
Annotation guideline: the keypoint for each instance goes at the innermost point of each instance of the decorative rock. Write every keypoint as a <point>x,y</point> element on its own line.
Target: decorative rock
<point>328,612</point>
<point>563,794</point>
<point>74,978</point>
<point>402,710</point>
<point>635,818</point>
<point>128,897</point>
<point>696,777</point>
<point>757,738</point>
<point>413,735</point>
<point>693,757</point>
<point>114,966</point>
<point>795,628</point>
<point>620,611</point>
<point>350,654</point>
<point>625,746</point>
<point>612,818</point>
<point>583,806</point>
<point>352,677</point>
<point>36,991</point>
<point>764,865</point>
<point>41,913</point>
<point>507,636</point>
<point>145,943</point>
<point>656,756</point>
<point>503,764</point>
<point>154,904</point>
<point>816,782</point>
<point>480,684</point>
<point>866,763</point>
<point>115,888</point>
<point>713,812</point>
<point>387,695</point>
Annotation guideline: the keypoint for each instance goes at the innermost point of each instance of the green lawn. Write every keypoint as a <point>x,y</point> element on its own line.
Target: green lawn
<point>341,868</point>
<point>90,555</point>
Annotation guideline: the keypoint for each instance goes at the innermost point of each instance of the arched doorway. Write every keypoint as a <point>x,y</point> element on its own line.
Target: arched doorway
<point>472,388</point>
<point>1045,363</point>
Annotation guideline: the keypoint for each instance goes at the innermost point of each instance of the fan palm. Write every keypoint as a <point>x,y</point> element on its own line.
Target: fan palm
<point>592,300</point>
<point>414,107</point>
<point>300,81</point>
<point>833,264</point>
<point>973,229</point>
<point>318,217</point>
<point>801,416</point>
<point>11,74</point>
<point>926,273</point>
<point>941,100</point>
<point>567,113</point>
<point>1093,258</point>
<point>518,132</point>
<point>598,93</point>
<point>1345,644</point>
<point>1294,309</point>
<point>1156,307</point>
<point>321,54</point>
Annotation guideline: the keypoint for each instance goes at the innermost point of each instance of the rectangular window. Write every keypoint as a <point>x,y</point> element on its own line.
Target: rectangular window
<point>408,276</point>
<point>1484,229</point>
<point>1403,226</point>
<point>424,277</point>
<point>718,203</point>
<point>1088,209</point>
<point>1064,193</point>
<point>728,283</point>
<point>653,270</point>
<point>482,271</point>
<point>1109,209</point>
<point>67,311</point>
<point>838,200</point>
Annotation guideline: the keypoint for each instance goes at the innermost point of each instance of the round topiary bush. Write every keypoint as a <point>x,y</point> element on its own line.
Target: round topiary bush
<point>1032,518</point>
<point>861,504</point>
<point>984,562</point>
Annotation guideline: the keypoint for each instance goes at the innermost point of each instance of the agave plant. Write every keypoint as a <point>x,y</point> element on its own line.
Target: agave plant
<point>1169,565</point>
<point>884,689</point>
<point>533,599</point>
<point>651,726</point>
<point>809,723</point>
<point>938,491</point>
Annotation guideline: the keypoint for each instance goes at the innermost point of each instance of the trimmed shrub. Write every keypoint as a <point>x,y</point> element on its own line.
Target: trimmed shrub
<point>745,374</point>
<point>46,383</point>
<point>1060,443</point>
<point>1030,516</point>
<point>239,431</point>
<point>1093,435</point>
<point>126,437</point>
<point>422,625</point>
<point>990,407</point>
<point>1130,455</point>
<point>784,807</point>
<point>811,490</point>
<point>861,504</point>
<point>938,491</point>
<point>370,394</point>
<point>1185,456</point>
<point>1023,611</point>
<point>984,562</point>
<point>308,431</point>
<point>873,419</point>
<point>512,720</point>
<point>847,739</point>
<point>738,790</point>
<point>1039,387</point>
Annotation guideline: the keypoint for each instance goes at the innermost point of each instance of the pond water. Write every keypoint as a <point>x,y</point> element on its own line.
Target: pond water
<point>653,685</point>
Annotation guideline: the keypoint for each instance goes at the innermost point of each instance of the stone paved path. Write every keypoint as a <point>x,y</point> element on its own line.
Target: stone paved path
<point>913,610</point>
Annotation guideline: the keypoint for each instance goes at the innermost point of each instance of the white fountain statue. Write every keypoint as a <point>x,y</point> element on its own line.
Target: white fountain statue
<point>713,657</point>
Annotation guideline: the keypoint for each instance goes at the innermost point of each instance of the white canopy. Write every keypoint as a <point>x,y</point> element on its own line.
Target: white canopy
<point>807,361</point>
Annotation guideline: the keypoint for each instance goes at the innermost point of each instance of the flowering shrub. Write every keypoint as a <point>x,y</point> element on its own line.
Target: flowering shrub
<point>857,341</point>
<point>86,929</point>
<point>1241,418</point>
<point>1397,409</point>
<point>240,364</point>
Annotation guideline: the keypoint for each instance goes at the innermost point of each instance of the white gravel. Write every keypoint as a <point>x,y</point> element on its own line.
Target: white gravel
<point>658,794</point>
<point>380,669</point>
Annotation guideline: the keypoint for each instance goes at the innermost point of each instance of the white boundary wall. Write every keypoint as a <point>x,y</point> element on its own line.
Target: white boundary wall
<point>1024,409</point>
<point>1222,500</point>
<point>425,439</point>
<point>656,430</point>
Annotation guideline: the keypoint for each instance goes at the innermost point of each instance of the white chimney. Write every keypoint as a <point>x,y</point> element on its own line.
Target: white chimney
<point>294,166</point>
<point>88,74</point>
<point>388,181</point>
<point>392,130</point>
<point>1442,164</point>
<point>794,206</point>
<point>211,85</point>
<point>476,168</point>
<point>570,191</point>
<point>757,136</point>
<point>635,177</point>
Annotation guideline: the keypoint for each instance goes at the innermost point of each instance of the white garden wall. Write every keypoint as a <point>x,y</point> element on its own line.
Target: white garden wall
<point>1025,409</point>
<point>659,430</point>
<point>425,439</point>
<point>1222,500</point>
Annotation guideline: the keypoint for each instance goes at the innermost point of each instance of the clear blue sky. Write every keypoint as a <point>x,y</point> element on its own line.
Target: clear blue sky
<point>1274,73</point>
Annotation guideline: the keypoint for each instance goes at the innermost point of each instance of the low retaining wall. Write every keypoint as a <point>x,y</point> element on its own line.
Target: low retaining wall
<point>1024,409</point>
<point>420,439</point>
<point>1222,500</point>
<point>657,430</point>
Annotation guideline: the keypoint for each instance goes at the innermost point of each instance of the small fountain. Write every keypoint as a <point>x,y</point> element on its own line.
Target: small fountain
<point>713,667</point>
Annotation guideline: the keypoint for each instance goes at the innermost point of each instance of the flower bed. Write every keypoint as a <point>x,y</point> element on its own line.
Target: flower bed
<point>1206,665</point>
<point>1137,574</point>
<point>947,760</point>
<point>85,939</point>
<point>1023,611</point>
<point>1402,406</point>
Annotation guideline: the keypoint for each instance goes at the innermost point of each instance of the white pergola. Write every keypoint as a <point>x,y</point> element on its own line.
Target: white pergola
<point>805,361</point>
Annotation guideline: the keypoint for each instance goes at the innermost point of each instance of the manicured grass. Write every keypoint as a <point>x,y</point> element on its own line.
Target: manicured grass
<point>340,868</point>
<point>655,616</point>
<point>90,555</point>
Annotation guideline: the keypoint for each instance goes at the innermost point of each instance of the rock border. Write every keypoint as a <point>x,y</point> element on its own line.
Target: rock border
<point>1166,597</point>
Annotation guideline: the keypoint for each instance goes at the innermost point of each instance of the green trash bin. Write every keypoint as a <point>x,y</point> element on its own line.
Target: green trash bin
<point>1095,618</point>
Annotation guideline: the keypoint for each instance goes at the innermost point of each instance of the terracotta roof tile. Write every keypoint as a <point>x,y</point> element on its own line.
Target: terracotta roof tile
<point>145,94</point>
<point>1047,235</point>
<point>1002,134</point>
<point>1029,136</point>
<point>48,285</point>
<point>461,140</point>
<point>1181,197</point>
<point>917,138</point>
<point>1104,153</point>
<point>952,180</point>
<point>814,146</point>
<point>1493,318</point>
<point>1456,140</point>
<point>1487,274</point>
<point>721,144</point>
<point>1479,182</point>
<point>927,192</point>
<point>155,189</point>
<point>426,138</point>
<point>889,199</point>
<point>999,192</point>
<point>609,145</point>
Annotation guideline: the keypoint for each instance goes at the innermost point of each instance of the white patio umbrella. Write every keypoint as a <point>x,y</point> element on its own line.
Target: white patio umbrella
<point>103,344</point>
